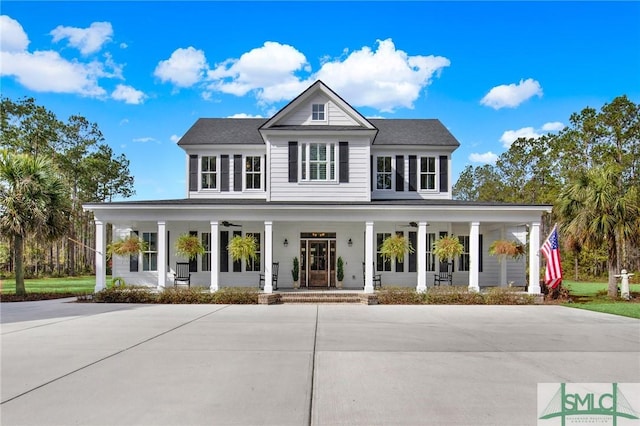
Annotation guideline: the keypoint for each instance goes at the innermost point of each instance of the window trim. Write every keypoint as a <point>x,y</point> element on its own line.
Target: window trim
<point>217,173</point>
<point>304,155</point>
<point>245,172</point>
<point>324,112</point>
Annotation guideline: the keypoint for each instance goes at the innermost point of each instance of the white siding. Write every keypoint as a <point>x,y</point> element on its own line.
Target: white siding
<point>334,115</point>
<point>357,189</point>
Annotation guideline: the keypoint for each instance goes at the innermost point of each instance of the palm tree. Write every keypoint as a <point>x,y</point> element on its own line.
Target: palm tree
<point>33,201</point>
<point>596,210</point>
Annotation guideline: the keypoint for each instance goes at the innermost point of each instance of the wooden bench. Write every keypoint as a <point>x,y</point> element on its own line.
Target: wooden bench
<point>182,274</point>
<point>274,277</point>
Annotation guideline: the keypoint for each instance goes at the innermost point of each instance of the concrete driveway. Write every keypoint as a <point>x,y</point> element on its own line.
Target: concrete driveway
<point>114,364</point>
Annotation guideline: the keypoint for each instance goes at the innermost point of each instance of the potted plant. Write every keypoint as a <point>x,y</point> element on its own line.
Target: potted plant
<point>295,273</point>
<point>506,248</point>
<point>395,246</point>
<point>126,246</point>
<point>448,247</point>
<point>242,247</point>
<point>339,272</point>
<point>189,246</point>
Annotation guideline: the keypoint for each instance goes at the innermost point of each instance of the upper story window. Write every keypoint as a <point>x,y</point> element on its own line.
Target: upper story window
<point>317,112</point>
<point>318,162</point>
<point>383,173</point>
<point>253,172</point>
<point>209,172</point>
<point>427,173</point>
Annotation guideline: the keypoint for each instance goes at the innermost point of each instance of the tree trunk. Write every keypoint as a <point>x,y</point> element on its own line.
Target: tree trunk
<point>612,264</point>
<point>19,265</point>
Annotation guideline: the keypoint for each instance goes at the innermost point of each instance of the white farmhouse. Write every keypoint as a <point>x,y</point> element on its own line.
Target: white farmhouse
<point>318,181</point>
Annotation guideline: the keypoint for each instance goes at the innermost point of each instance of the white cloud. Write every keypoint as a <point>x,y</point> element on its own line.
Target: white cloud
<point>512,95</point>
<point>87,40</point>
<point>385,79</point>
<point>244,115</point>
<point>486,158</point>
<point>123,45</point>
<point>144,139</point>
<point>553,126</point>
<point>174,138</point>
<point>12,35</point>
<point>184,68</point>
<point>510,136</point>
<point>128,94</point>
<point>124,121</point>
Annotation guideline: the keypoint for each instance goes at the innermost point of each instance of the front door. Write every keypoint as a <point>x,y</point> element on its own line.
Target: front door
<point>318,263</point>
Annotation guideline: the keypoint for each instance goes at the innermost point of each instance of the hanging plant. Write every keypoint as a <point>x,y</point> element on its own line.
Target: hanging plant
<point>506,248</point>
<point>189,246</point>
<point>395,246</point>
<point>126,246</point>
<point>242,247</point>
<point>448,247</point>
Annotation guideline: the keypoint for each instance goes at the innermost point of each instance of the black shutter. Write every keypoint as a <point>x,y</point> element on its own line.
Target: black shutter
<point>237,264</point>
<point>265,173</point>
<point>237,173</point>
<point>480,253</point>
<point>168,246</point>
<point>134,263</point>
<point>444,174</point>
<point>193,263</point>
<point>293,161</point>
<point>224,251</point>
<point>413,257</point>
<point>193,173</point>
<point>344,162</point>
<point>400,173</point>
<point>413,173</point>
<point>224,173</point>
<point>373,173</point>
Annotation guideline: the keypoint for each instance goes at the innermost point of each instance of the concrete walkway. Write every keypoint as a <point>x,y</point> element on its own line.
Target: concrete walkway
<point>110,364</point>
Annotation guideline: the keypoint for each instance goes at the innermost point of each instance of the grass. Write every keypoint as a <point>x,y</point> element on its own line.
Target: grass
<point>593,296</point>
<point>77,285</point>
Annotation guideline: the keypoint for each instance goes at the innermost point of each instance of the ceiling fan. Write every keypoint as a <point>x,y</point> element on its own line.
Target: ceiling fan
<point>411,225</point>
<point>229,224</point>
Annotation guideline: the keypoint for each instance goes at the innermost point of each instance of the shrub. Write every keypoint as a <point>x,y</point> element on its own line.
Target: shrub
<point>29,297</point>
<point>125,295</point>
<point>453,295</point>
<point>236,296</point>
<point>507,296</point>
<point>399,296</point>
<point>185,295</point>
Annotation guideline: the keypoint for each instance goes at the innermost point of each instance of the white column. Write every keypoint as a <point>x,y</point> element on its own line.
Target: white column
<point>369,250</point>
<point>502,263</point>
<point>534,258</point>
<point>474,256</point>
<point>162,254</point>
<point>215,257</point>
<point>268,256</point>
<point>101,265</point>
<point>421,254</point>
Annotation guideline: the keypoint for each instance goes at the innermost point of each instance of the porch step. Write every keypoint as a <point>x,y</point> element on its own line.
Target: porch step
<point>317,297</point>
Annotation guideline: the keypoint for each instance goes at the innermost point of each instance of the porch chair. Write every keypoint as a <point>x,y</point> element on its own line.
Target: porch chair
<point>444,276</point>
<point>182,274</point>
<point>274,276</point>
<point>377,278</point>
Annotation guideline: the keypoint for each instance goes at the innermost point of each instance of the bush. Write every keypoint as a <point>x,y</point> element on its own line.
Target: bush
<point>507,296</point>
<point>236,296</point>
<point>125,295</point>
<point>185,295</point>
<point>453,295</point>
<point>399,296</point>
<point>30,297</point>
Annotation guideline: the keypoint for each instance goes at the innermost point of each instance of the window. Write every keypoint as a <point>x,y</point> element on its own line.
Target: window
<point>431,258</point>
<point>206,256</point>
<point>209,173</point>
<point>318,161</point>
<point>463,263</point>
<point>427,173</point>
<point>317,112</point>
<point>383,173</point>
<point>253,265</point>
<point>150,255</point>
<point>252,170</point>
<point>382,264</point>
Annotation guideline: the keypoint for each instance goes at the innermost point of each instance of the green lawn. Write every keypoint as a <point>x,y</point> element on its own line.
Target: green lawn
<point>592,296</point>
<point>80,285</point>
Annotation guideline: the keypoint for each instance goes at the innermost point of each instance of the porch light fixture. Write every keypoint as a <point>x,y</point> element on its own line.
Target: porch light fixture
<point>350,242</point>
<point>286,242</point>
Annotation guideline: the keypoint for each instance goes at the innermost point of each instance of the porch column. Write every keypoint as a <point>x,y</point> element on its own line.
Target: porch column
<point>421,253</point>
<point>368,257</point>
<point>502,262</point>
<point>162,254</point>
<point>215,257</point>
<point>268,256</point>
<point>474,256</point>
<point>534,258</point>
<point>101,265</point>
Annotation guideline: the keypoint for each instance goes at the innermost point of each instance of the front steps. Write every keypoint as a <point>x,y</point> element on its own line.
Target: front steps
<point>303,296</point>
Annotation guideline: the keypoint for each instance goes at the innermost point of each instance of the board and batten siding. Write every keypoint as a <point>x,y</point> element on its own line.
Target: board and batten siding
<point>334,116</point>
<point>357,189</point>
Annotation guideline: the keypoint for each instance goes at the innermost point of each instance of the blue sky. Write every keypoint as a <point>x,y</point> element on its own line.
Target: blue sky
<point>146,71</point>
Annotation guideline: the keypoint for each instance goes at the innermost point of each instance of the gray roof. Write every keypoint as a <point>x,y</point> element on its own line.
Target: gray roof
<point>244,131</point>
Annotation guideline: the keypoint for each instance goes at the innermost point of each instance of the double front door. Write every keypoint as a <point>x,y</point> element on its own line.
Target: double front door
<point>318,262</point>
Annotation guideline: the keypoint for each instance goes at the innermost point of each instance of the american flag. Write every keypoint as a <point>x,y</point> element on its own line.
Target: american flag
<point>553,273</point>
